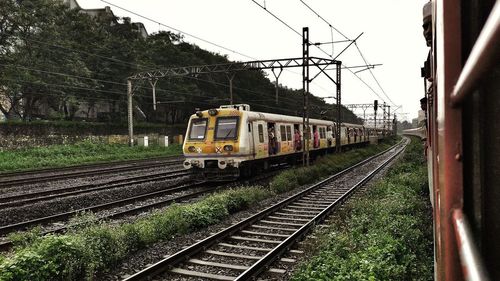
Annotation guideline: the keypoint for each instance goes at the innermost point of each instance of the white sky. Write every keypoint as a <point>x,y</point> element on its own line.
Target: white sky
<point>392,37</point>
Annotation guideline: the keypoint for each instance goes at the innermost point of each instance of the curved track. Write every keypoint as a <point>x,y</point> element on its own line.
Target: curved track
<point>261,239</point>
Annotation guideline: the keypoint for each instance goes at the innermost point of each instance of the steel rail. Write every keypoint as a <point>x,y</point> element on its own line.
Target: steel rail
<point>163,265</point>
<point>22,199</point>
<point>65,215</point>
<point>88,166</point>
<point>45,178</point>
<point>4,246</point>
<point>270,257</point>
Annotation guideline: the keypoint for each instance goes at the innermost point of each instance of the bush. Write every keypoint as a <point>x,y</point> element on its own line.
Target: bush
<point>323,167</point>
<point>386,235</point>
<point>81,254</point>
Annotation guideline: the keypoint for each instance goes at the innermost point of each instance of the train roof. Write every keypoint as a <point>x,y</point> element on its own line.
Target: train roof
<point>255,115</point>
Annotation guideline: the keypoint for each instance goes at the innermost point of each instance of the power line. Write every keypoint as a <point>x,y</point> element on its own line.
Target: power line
<point>361,54</point>
<point>178,30</point>
<point>329,24</point>
<point>371,72</point>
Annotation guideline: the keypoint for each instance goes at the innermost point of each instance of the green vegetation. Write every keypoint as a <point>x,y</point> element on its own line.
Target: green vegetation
<point>77,154</point>
<point>325,166</point>
<point>81,253</point>
<point>385,235</point>
<point>93,247</point>
<point>70,64</point>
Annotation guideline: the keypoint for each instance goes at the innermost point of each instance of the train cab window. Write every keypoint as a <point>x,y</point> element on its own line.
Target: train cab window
<point>283,133</point>
<point>198,129</point>
<point>226,128</point>
<point>261,133</point>
<point>289,133</point>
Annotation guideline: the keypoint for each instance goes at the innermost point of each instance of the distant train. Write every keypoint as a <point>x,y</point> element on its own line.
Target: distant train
<point>224,143</point>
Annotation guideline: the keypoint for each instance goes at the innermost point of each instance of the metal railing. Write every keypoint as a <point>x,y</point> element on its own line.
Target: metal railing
<point>482,57</point>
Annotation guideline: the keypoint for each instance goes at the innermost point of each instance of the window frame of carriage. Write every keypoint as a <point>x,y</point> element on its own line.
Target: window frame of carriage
<point>191,128</point>
<point>237,127</point>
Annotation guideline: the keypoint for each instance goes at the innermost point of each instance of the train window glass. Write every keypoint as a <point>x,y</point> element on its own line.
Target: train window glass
<point>261,133</point>
<point>226,128</point>
<point>289,133</point>
<point>198,129</point>
<point>322,133</point>
<point>283,133</point>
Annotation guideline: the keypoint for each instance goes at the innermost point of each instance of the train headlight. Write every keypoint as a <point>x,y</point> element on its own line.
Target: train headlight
<point>199,114</point>
<point>187,165</point>
<point>212,112</point>
<point>228,148</point>
<point>192,149</point>
<point>222,164</point>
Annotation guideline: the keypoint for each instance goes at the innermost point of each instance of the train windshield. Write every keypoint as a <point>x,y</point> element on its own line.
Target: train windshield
<point>226,128</point>
<point>198,129</point>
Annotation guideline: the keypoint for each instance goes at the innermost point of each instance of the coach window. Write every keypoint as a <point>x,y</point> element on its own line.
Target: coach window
<point>198,129</point>
<point>283,133</point>
<point>226,128</point>
<point>261,133</point>
<point>289,132</point>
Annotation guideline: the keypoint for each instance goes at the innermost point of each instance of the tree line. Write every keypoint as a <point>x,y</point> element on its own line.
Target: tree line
<point>59,58</point>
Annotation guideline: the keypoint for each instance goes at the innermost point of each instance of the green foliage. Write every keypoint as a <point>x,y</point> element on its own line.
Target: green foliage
<point>81,254</point>
<point>387,234</point>
<point>323,167</point>
<point>81,153</point>
<point>96,54</point>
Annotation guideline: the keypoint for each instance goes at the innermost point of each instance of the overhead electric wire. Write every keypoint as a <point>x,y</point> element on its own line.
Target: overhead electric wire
<point>371,72</point>
<point>361,54</point>
<point>178,30</point>
<point>319,16</point>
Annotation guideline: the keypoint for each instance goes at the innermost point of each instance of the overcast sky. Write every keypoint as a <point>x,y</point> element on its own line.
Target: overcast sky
<point>392,36</point>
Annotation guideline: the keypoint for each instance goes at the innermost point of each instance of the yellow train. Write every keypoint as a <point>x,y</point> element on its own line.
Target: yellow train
<point>224,143</point>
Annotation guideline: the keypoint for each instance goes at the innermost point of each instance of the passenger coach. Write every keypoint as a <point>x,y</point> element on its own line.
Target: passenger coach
<point>223,143</point>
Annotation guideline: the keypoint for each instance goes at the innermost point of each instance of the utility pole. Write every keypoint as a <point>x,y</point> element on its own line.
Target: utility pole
<point>305,89</point>
<point>375,107</point>
<point>384,120</point>
<point>339,117</point>
<point>277,76</point>
<point>230,77</point>
<point>130,114</point>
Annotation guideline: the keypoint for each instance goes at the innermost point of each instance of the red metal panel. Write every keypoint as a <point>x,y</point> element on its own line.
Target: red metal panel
<point>448,53</point>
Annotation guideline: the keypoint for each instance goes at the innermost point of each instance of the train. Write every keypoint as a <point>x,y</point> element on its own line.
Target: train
<point>461,134</point>
<point>231,141</point>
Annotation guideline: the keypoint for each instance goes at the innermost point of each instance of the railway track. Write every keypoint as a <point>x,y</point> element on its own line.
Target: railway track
<point>244,250</point>
<point>204,189</point>
<point>34,197</point>
<point>46,175</point>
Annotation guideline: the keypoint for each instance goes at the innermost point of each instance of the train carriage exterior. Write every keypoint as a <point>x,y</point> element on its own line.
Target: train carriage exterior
<point>223,143</point>
<point>462,136</point>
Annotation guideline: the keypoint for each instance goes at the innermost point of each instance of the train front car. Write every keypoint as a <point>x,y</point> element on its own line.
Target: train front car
<point>215,144</point>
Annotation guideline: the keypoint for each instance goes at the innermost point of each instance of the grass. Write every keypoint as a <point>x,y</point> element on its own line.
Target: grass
<point>384,235</point>
<point>77,154</point>
<point>89,250</point>
<point>324,167</point>
<point>82,252</point>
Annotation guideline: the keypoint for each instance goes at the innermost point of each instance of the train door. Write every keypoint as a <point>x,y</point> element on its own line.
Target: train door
<point>273,143</point>
<point>343,135</point>
<point>289,138</point>
<point>297,139</point>
<point>260,139</point>
<point>251,139</point>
